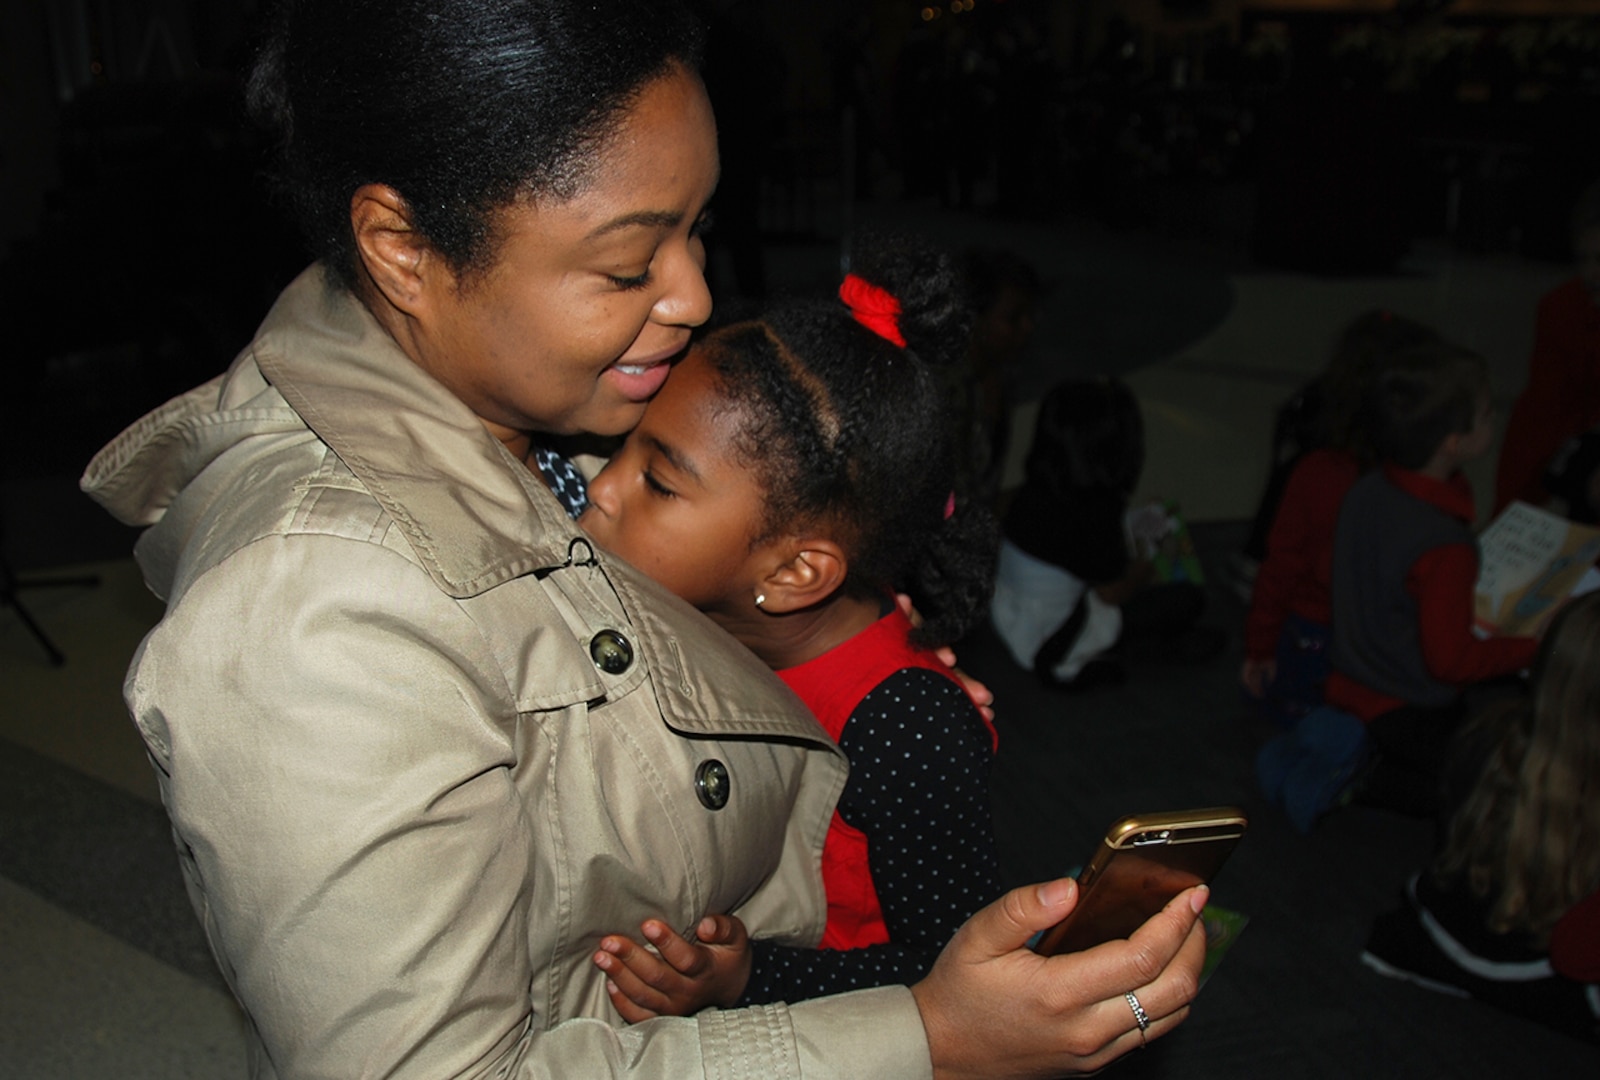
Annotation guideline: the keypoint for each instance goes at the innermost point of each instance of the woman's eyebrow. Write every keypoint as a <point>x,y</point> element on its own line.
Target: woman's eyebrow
<point>650,219</point>
<point>675,458</point>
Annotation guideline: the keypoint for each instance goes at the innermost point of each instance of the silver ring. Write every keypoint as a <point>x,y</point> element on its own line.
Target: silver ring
<point>1140,1016</point>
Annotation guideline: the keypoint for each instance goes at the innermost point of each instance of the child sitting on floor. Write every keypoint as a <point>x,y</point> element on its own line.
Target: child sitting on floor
<point>1509,910</point>
<point>1068,588</point>
<point>1405,563</point>
<point>793,474</point>
<point>1286,631</point>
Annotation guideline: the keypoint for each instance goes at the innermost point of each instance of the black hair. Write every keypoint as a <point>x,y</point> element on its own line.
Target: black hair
<point>847,429</point>
<point>462,106</point>
<point>1090,435</point>
<point>1422,396</point>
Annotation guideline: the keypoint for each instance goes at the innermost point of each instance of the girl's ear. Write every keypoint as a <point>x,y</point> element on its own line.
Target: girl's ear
<point>810,570</point>
<point>391,250</point>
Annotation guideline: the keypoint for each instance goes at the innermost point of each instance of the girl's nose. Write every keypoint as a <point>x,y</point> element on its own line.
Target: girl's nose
<point>603,491</point>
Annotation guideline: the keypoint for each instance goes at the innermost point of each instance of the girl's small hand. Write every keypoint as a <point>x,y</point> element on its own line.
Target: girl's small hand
<point>681,977</point>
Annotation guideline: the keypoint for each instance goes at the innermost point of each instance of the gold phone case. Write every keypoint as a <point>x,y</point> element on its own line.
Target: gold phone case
<point>1143,862</point>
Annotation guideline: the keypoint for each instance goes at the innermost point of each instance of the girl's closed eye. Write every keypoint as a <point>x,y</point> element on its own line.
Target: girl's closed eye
<point>653,482</point>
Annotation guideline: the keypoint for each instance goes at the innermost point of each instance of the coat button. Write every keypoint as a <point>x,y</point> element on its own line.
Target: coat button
<point>611,652</point>
<point>711,783</point>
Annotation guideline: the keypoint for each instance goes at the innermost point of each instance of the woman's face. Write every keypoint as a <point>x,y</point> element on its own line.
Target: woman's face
<point>677,502</point>
<point>589,300</point>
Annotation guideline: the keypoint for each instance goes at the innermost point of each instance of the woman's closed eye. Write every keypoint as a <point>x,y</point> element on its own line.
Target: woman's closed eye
<point>630,284</point>
<point>633,282</point>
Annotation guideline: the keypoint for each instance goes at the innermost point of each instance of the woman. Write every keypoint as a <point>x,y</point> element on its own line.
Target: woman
<point>421,747</point>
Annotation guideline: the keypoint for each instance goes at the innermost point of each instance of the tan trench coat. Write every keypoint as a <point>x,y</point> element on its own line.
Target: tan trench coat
<point>406,799</point>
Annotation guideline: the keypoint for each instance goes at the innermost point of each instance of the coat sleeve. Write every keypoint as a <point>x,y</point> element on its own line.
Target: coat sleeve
<point>335,744</point>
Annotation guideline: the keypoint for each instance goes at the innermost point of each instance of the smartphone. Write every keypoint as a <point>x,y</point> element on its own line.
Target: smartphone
<point>1143,862</point>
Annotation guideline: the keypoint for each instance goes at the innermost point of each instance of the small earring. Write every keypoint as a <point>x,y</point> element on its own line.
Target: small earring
<point>761,598</point>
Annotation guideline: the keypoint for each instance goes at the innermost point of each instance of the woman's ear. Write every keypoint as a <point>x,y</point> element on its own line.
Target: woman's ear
<point>390,249</point>
<point>810,570</point>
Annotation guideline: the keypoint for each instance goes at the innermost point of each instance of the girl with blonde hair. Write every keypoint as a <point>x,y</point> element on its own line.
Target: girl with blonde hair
<point>1509,909</point>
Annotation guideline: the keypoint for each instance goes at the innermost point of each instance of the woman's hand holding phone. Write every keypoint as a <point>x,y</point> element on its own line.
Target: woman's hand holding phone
<point>993,1007</point>
<point>1144,861</point>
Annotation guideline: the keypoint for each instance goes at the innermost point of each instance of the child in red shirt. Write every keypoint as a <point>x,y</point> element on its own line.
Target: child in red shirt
<point>1286,631</point>
<point>1405,563</point>
<point>794,473</point>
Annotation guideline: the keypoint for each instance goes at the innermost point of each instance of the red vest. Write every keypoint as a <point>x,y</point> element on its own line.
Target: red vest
<point>832,685</point>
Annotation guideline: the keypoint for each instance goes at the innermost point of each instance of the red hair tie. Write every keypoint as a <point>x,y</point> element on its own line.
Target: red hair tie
<point>872,307</point>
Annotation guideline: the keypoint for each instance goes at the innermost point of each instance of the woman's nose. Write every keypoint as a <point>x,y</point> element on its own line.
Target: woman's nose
<point>686,301</point>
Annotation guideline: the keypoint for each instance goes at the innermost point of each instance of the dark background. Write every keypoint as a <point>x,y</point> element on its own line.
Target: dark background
<point>138,247</point>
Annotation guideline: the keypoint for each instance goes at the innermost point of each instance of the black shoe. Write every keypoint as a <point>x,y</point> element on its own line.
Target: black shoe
<point>1398,947</point>
<point>1410,944</point>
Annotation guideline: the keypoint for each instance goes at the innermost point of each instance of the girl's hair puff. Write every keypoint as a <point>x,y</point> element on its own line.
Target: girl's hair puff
<point>461,106</point>
<point>1528,836</point>
<point>1089,435</point>
<point>846,430</point>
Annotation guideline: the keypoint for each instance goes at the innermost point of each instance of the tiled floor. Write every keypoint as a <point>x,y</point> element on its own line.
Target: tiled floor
<point>103,970</point>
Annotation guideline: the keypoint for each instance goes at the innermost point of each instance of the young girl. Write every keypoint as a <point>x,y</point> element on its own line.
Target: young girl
<point>1286,631</point>
<point>794,473</point>
<point>1509,911</point>
<point>1068,588</point>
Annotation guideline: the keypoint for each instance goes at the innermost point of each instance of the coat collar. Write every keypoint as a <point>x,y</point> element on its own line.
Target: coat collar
<point>475,515</point>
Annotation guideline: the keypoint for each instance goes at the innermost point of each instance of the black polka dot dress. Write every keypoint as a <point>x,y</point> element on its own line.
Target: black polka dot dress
<point>920,756</point>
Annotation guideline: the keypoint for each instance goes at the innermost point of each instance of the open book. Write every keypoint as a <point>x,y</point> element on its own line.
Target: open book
<point>1530,562</point>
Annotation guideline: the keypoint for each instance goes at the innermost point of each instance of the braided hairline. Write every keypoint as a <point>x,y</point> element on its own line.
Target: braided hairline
<point>824,412</point>
<point>808,478</point>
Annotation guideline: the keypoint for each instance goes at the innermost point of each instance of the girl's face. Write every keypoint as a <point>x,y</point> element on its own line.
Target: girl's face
<point>574,326</point>
<point>678,504</point>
